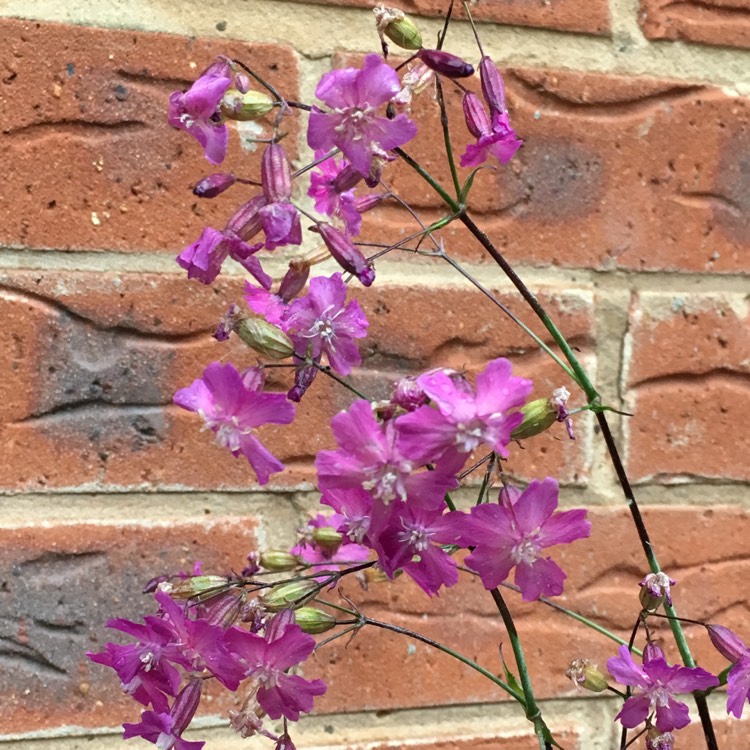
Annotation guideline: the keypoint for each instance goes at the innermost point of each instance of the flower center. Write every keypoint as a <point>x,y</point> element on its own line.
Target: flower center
<point>416,537</point>
<point>385,482</point>
<point>469,435</point>
<point>526,551</point>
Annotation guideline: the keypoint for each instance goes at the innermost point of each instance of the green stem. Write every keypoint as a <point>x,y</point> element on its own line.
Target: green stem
<point>447,136</point>
<point>446,650</point>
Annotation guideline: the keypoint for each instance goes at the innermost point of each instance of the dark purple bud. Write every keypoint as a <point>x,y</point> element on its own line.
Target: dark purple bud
<point>222,610</point>
<point>246,223</point>
<point>185,706</point>
<point>294,279</point>
<point>475,115</point>
<point>242,82</point>
<point>445,63</point>
<point>276,174</point>
<point>345,254</point>
<point>493,87</point>
<point>347,178</point>
<point>253,565</point>
<point>366,202</point>
<point>408,394</point>
<point>285,743</point>
<point>214,184</point>
<point>729,645</point>
<point>227,323</point>
<point>303,378</point>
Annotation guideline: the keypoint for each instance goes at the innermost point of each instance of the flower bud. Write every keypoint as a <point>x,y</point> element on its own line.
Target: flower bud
<point>252,105</point>
<point>727,643</point>
<point>199,587</point>
<point>276,174</point>
<point>264,337</point>
<point>214,184</point>
<point>651,652</point>
<point>587,675</point>
<point>493,88</point>
<point>278,561</point>
<point>313,620</point>
<point>448,65</point>
<point>345,254</point>
<point>538,415</point>
<point>475,115</point>
<point>398,27</point>
<point>293,594</point>
<point>408,394</point>
<point>327,538</point>
<point>655,591</point>
<point>303,379</point>
<point>247,221</point>
<point>346,179</point>
<point>365,203</point>
<point>185,706</point>
<point>227,323</point>
<point>294,279</point>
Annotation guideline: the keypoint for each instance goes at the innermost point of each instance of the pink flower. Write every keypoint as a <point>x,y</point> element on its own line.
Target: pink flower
<point>733,648</point>
<point>508,536</point>
<point>497,139</point>
<point>320,323</point>
<point>267,660</point>
<point>354,96</point>
<point>657,684</point>
<point>370,456</point>
<point>332,186</point>
<point>279,217</point>
<point>464,419</point>
<point>197,110</point>
<point>232,408</point>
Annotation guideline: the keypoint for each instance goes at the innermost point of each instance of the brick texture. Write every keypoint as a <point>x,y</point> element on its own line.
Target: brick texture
<point>59,587</point>
<point>687,381</point>
<point>722,22</point>
<point>90,162</point>
<point>96,359</point>
<point>616,172</point>
<point>565,15</point>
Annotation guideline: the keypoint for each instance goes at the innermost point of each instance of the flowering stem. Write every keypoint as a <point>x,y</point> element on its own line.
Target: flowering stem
<point>446,650</point>
<point>326,370</point>
<point>447,135</point>
<point>533,713</point>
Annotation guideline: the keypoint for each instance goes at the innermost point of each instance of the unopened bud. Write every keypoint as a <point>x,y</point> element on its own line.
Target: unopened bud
<point>493,88</point>
<point>475,115</point>
<point>327,538</point>
<point>538,415</point>
<point>294,279</point>
<point>293,594</point>
<point>345,254</point>
<point>587,675</point>
<point>276,174</point>
<point>304,375</point>
<point>727,643</point>
<point>214,184</point>
<point>313,620</point>
<point>448,65</point>
<point>408,394</point>
<point>264,337</point>
<point>365,203</point>
<point>251,105</point>
<point>346,179</point>
<point>185,706</point>
<point>199,587</point>
<point>398,27</point>
<point>247,221</point>
<point>655,591</point>
<point>278,561</point>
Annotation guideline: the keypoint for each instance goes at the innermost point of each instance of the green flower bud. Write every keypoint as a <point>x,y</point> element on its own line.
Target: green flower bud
<point>293,595</point>
<point>264,337</point>
<point>313,621</point>
<point>538,416</point>
<point>201,587</point>
<point>586,675</point>
<point>398,27</point>
<point>327,538</point>
<point>251,105</point>
<point>278,561</point>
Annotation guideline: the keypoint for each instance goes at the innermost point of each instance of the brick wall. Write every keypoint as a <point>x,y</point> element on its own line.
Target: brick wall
<point>627,210</point>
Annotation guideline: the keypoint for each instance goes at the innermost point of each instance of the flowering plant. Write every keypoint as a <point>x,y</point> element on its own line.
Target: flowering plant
<point>390,481</point>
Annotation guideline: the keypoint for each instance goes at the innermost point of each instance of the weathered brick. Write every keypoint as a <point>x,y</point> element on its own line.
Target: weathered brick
<point>565,15</point>
<point>96,358</point>
<point>687,376</point>
<point>61,584</point>
<point>615,172</point>
<point>90,162</point>
<point>722,22</point>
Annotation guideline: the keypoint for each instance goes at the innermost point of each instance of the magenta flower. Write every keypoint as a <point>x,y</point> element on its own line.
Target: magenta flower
<point>464,419</point>
<point>508,536</point>
<point>271,306</point>
<point>332,187</point>
<point>657,684</point>
<point>232,408</point>
<point>370,456</point>
<point>266,660</point>
<point>197,110</point>
<point>279,217</point>
<point>354,96</point>
<point>321,323</point>
<point>497,139</point>
<point>733,648</point>
<point>204,258</point>
<point>354,508</point>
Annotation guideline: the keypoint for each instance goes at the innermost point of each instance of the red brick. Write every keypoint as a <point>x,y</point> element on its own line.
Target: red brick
<point>59,587</point>
<point>730,733</point>
<point>722,22</point>
<point>616,172</point>
<point>86,396</point>
<point>564,15</point>
<point>518,741</point>
<point>85,134</point>
<point>688,379</point>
